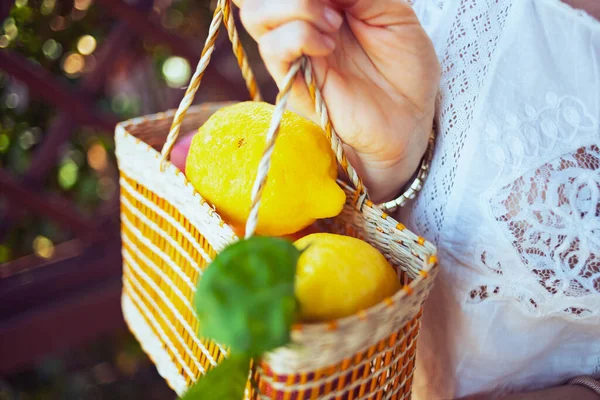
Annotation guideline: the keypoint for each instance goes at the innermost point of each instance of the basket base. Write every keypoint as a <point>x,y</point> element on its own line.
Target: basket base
<point>152,346</point>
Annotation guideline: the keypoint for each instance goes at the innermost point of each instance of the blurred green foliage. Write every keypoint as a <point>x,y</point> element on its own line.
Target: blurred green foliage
<point>49,33</point>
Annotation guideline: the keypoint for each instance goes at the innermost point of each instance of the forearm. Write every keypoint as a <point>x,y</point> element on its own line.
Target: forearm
<point>567,392</point>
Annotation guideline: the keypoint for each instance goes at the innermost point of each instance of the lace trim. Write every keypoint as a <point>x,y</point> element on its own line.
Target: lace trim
<point>551,215</point>
<point>520,141</point>
<point>470,44</point>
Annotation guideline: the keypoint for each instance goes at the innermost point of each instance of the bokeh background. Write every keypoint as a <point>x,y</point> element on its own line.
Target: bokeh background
<point>69,71</point>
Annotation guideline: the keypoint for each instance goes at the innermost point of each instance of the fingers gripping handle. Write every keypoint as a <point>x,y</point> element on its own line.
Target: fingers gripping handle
<point>223,13</point>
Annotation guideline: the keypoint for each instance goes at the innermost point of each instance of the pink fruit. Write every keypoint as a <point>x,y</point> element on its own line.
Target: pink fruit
<point>180,151</point>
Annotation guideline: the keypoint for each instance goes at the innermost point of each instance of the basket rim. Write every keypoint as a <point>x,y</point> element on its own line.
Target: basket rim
<point>196,108</point>
<point>427,272</point>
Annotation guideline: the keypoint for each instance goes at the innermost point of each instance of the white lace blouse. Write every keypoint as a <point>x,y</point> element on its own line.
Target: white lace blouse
<point>513,199</point>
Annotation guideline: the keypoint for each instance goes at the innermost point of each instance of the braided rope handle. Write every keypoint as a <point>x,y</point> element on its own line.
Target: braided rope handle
<point>222,12</point>
<point>240,54</point>
<point>321,109</point>
<point>265,161</point>
<point>336,144</point>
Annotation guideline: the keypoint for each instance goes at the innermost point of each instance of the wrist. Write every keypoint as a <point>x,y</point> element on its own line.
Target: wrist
<point>386,178</point>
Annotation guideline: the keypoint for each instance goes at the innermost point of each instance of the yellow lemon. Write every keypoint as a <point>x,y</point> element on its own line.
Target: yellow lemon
<point>301,187</point>
<point>338,276</point>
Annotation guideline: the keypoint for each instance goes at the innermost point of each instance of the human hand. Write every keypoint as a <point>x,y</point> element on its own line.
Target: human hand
<point>377,70</point>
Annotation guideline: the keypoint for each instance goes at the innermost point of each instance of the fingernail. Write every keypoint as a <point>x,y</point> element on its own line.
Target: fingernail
<point>329,42</point>
<point>333,18</point>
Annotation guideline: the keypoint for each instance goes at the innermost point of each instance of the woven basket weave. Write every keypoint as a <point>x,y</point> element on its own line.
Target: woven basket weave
<point>170,234</point>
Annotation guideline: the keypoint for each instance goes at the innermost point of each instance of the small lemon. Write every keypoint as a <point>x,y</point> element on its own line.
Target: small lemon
<point>301,187</point>
<point>338,276</point>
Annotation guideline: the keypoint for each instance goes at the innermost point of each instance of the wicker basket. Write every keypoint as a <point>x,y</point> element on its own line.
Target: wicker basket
<point>170,234</point>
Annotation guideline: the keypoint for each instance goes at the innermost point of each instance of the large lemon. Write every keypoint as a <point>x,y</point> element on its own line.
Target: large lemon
<point>223,162</point>
<point>338,276</point>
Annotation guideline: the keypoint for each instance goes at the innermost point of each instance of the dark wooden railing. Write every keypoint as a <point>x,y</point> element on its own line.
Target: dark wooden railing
<point>46,305</point>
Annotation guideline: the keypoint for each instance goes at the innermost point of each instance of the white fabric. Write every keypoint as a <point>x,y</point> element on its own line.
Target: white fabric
<point>513,199</point>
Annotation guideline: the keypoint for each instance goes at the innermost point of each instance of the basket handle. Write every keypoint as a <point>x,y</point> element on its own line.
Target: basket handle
<point>222,13</point>
<point>304,64</point>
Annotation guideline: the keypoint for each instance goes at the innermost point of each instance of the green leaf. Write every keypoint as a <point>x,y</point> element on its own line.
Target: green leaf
<point>245,299</point>
<point>226,381</point>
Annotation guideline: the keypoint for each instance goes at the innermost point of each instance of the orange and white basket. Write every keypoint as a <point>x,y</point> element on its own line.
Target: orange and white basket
<point>170,234</point>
